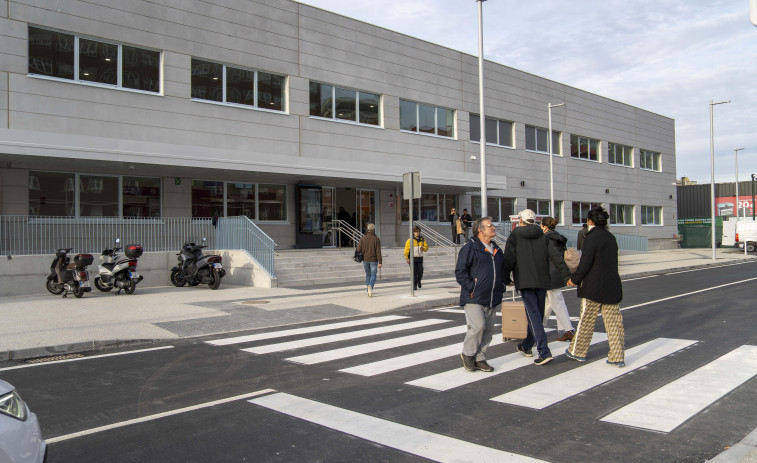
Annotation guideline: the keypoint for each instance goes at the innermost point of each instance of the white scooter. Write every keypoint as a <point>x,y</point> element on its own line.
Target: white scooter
<point>119,273</point>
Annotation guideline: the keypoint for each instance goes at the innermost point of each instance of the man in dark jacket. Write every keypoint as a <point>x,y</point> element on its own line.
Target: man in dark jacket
<point>599,288</point>
<point>528,256</point>
<point>480,273</point>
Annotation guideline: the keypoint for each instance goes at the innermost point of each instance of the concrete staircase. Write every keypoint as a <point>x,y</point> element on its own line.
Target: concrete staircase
<point>296,268</point>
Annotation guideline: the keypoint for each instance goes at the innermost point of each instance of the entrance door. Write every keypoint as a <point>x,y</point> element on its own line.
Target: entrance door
<point>329,214</point>
<point>366,209</point>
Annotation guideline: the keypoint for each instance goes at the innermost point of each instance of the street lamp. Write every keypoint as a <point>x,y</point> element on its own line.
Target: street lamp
<point>712,175</point>
<point>482,118</point>
<point>549,149</point>
<point>736,159</point>
<point>754,176</point>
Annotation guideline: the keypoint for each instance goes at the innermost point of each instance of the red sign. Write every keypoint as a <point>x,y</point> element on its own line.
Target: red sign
<point>726,206</point>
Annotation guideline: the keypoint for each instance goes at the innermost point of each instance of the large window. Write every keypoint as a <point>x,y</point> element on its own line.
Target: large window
<point>350,105</point>
<point>584,148</point>
<point>431,207</point>
<point>497,132</point>
<point>240,199</point>
<point>651,215</point>
<point>581,212</point>
<point>621,214</point>
<point>232,85</point>
<point>272,202</point>
<point>207,198</point>
<point>68,56</point>
<point>536,140</point>
<point>619,154</point>
<point>541,207</point>
<point>257,201</point>
<point>499,209</point>
<point>649,160</point>
<point>63,194</point>
<point>421,118</point>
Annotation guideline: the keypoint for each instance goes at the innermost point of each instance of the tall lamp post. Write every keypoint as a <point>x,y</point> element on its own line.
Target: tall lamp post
<point>712,175</point>
<point>482,118</point>
<point>549,149</point>
<point>754,176</point>
<point>736,160</point>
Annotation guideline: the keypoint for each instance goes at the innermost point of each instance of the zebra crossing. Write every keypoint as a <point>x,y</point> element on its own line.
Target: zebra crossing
<point>661,410</point>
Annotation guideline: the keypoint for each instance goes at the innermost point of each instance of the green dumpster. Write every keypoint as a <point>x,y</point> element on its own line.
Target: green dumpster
<point>696,232</point>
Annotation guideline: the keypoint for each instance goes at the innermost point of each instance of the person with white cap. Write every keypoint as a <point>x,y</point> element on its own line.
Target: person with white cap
<point>527,256</point>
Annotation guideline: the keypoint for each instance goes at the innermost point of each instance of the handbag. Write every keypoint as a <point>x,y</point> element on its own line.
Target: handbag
<point>358,257</point>
<point>572,257</point>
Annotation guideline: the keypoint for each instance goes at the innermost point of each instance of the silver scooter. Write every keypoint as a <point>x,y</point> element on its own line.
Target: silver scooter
<point>116,272</point>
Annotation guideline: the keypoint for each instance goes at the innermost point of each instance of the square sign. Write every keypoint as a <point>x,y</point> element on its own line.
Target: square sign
<point>415,191</point>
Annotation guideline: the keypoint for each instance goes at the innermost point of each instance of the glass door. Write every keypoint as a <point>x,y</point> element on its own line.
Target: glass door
<point>366,209</point>
<point>328,197</point>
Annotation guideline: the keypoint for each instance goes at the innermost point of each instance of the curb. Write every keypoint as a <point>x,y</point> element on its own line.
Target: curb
<point>742,452</point>
<point>73,348</point>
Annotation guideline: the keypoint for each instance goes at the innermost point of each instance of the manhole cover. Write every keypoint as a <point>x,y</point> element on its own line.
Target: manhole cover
<point>255,302</point>
<point>55,358</point>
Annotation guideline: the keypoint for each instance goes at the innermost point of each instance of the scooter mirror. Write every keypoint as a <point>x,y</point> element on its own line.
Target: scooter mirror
<point>118,240</point>
<point>204,239</point>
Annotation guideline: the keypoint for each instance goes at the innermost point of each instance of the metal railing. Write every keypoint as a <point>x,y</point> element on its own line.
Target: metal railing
<point>342,227</point>
<point>25,235</point>
<point>625,242</point>
<point>437,239</point>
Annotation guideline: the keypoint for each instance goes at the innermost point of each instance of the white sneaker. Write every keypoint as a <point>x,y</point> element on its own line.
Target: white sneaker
<point>370,292</point>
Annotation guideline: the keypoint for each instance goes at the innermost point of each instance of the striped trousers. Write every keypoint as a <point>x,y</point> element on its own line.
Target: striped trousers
<point>613,321</point>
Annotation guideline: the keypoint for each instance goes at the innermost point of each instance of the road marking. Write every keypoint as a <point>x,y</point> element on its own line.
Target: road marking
<point>670,406</point>
<point>459,376</point>
<point>394,435</point>
<point>29,365</point>
<point>688,294</point>
<point>565,385</point>
<point>296,331</point>
<point>460,311</point>
<point>156,416</point>
<point>282,346</point>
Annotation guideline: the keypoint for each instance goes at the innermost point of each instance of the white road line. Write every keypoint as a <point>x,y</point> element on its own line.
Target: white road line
<point>156,416</point>
<point>409,360</point>
<point>460,311</point>
<point>282,346</point>
<point>459,376</point>
<point>29,365</point>
<point>388,433</point>
<point>688,294</point>
<point>309,329</point>
<point>560,387</point>
<point>670,406</point>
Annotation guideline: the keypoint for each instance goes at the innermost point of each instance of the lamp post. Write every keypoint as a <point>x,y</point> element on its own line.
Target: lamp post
<point>712,175</point>
<point>482,118</point>
<point>549,149</point>
<point>754,176</point>
<point>736,160</point>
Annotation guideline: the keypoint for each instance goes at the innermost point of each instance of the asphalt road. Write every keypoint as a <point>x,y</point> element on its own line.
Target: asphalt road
<point>689,390</point>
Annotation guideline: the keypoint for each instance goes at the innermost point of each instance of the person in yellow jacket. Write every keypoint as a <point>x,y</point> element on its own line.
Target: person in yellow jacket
<point>419,247</point>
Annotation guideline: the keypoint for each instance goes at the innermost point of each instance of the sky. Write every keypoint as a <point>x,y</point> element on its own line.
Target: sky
<point>669,57</point>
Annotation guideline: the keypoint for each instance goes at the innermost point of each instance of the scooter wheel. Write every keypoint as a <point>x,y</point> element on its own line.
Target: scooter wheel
<point>54,287</point>
<point>177,279</point>
<point>78,291</point>
<point>129,286</point>
<point>99,285</point>
<point>216,279</point>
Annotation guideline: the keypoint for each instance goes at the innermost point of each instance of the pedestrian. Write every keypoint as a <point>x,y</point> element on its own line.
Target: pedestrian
<point>480,274</point>
<point>581,237</point>
<point>344,217</point>
<point>454,220</point>
<point>528,255</point>
<point>467,222</point>
<point>370,246</point>
<point>555,301</point>
<point>600,290</point>
<point>419,247</point>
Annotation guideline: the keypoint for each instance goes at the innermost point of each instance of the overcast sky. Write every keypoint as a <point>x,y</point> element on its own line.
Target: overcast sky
<point>669,57</point>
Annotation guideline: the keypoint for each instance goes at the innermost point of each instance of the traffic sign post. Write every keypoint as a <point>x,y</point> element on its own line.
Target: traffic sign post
<point>411,189</point>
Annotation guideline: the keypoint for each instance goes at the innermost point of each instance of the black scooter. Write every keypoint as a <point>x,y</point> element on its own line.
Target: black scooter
<point>195,268</point>
<point>66,277</point>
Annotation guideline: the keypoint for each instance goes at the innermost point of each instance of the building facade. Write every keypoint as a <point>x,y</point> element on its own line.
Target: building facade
<point>286,113</point>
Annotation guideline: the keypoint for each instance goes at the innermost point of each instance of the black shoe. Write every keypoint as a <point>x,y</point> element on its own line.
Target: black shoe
<point>543,361</point>
<point>483,366</point>
<point>419,284</point>
<point>523,351</point>
<point>469,363</point>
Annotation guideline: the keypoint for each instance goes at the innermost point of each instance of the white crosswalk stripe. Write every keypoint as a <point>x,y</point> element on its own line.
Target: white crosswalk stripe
<point>558,388</point>
<point>670,406</point>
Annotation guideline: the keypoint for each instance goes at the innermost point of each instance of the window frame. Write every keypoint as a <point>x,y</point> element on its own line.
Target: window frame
<point>76,79</point>
<point>613,211</point>
<point>581,205</point>
<point>539,202</point>
<point>656,216</point>
<point>224,76</point>
<point>333,118</point>
<point>441,213</point>
<point>612,155</point>
<point>436,110</point>
<point>656,157</point>
<point>589,142</point>
<point>256,187</point>
<point>499,131</point>
<point>556,143</point>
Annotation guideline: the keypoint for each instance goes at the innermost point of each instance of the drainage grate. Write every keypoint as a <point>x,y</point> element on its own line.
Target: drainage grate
<point>55,358</point>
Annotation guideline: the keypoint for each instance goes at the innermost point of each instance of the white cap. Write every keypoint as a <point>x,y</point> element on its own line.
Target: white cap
<point>527,215</point>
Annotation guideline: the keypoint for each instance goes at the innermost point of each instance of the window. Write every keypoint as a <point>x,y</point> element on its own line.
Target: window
<point>207,199</point>
<point>56,54</point>
<point>351,105</point>
<point>649,160</point>
<point>54,194</point>
<point>536,140</point>
<point>651,215</point>
<point>621,155</point>
<point>246,87</point>
<point>581,212</point>
<point>584,148</point>
<point>431,207</point>
<point>272,202</point>
<point>621,214</point>
<point>497,132</point>
<point>499,209</point>
<point>541,207</point>
<point>240,199</point>
<point>421,118</point>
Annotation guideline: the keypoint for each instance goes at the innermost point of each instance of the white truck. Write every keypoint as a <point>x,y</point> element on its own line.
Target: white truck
<point>746,234</point>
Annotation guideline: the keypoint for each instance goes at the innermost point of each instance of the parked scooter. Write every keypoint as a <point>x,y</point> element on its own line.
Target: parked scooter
<point>194,268</point>
<point>66,277</point>
<point>119,273</point>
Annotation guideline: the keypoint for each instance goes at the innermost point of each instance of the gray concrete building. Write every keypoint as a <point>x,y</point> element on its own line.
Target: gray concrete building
<point>284,113</point>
